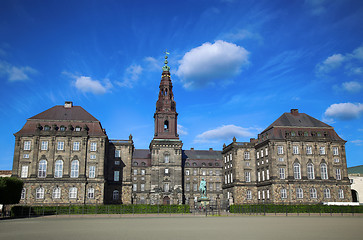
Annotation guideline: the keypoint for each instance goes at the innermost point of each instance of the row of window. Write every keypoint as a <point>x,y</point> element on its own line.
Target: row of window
<point>210,186</point>
<point>60,146</point>
<point>58,169</point>
<point>204,172</point>
<point>261,152</point>
<point>194,164</point>
<point>313,193</point>
<point>309,150</point>
<point>310,171</point>
<point>62,128</point>
<point>56,193</point>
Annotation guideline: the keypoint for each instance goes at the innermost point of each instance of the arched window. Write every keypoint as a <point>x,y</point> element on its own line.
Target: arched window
<point>324,171</point>
<point>91,193</point>
<point>73,192</point>
<point>115,195</point>
<point>39,193</point>
<point>58,169</point>
<point>74,169</point>
<point>56,193</point>
<point>194,164</point>
<point>326,193</point>
<point>42,169</point>
<point>166,125</point>
<point>62,128</point>
<point>313,193</point>
<point>46,128</point>
<point>310,169</point>
<point>297,171</point>
<point>166,158</point>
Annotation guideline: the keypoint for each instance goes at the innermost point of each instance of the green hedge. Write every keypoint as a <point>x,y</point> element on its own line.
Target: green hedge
<point>19,211</point>
<point>271,208</point>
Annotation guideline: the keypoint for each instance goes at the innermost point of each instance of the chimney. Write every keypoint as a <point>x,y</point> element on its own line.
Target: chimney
<point>68,104</point>
<point>210,149</point>
<point>294,111</point>
<point>192,149</point>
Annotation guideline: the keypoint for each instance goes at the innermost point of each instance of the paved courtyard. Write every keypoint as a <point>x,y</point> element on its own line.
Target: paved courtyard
<point>183,227</point>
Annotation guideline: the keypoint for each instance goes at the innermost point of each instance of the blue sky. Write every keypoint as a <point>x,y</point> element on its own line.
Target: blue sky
<point>236,65</point>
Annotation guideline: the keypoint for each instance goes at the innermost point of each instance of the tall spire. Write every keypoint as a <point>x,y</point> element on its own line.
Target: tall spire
<point>165,114</point>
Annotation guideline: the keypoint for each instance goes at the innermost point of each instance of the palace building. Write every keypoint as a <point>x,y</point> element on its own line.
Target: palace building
<point>64,156</point>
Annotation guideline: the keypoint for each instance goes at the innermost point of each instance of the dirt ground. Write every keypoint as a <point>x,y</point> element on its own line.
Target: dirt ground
<point>183,227</point>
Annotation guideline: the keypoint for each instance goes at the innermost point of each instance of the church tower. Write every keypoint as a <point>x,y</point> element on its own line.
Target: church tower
<point>165,115</point>
<point>166,148</point>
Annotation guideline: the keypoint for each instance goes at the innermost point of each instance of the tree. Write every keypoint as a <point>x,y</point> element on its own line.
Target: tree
<point>10,190</point>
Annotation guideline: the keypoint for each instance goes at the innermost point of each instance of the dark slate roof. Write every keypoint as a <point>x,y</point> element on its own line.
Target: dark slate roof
<point>59,112</point>
<point>355,169</point>
<point>297,120</point>
<point>141,154</point>
<point>202,154</point>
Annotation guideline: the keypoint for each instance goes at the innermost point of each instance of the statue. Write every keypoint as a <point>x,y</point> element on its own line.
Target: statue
<point>203,188</point>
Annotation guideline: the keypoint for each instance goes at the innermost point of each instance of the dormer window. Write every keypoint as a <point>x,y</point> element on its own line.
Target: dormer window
<point>46,128</point>
<point>62,128</point>
<point>77,129</point>
<point>293,134</point>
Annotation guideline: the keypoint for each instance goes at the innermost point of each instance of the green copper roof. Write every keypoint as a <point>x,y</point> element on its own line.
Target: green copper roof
<point>356,169</point>
<point>166,67</point>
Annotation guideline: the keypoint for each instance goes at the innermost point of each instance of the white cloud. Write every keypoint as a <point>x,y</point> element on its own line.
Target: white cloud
<point>344,111</point>
<point>14,73</point>
<point>352,86</point>
<point>316,7</point>
<point>242,34</point>
<point>226,132</point>
<point>330,63</point>
<point>204,65</point>
<point>182,130</point>
<point>87,84</point>
<point>131,76</point>
<point>152,64</point>
<point>357,142</point>
<point>358,53</point>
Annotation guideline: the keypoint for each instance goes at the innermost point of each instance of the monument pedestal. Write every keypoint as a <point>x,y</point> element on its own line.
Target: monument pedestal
<point>203,203</point>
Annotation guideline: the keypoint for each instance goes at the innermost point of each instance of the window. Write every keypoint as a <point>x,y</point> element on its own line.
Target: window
<point>297,171</point>
<point>62,128</point>
<point>26,155</point>
<point>73,192</point>
<point>42,169</point>
<point>46,128</point>
<point>204,172</point>
<point>134,187</point>
<point>248,176</point>
<point>93,146</point>
<point>310,170</point>
<point>282,173</point>
<point>39,193</point>
<point>91,193</point>
<point>218,186</point>
<point>258,195</point>
<point>249,195</point>
<point>117,162</point>
<point>142,187</point>
<point>247,155</point>
<point>195,187</point>
<point>58,169</point>
<point>218,172</point>
<point>166,158</point>
<point>187,172</point>
<point>194,172</point>
<point>261,153</point>
<point>74,168</point>
<point>313,193</point>
<point>268,194</point>
<point>258,155</point>
<point>210,172</point>
<point>166,187</point>
<point>210,186</point>
<point>341,193</point>
<point>263,194</point>
<point>335,151</point>
<point>281,159</point>
<point>263,175</point>
<point>299,193</point>
<point>338,174</point>
<point>115,195</point>
<point>23,193</point>
<point>248,164</point>
<point>283,193</point>
<point>280,150</point>
<point>336,160</point>
<point>135,171</point>
<point>326,193</point>
<point>187,187</point>
<point>117,153</point>
<point>92,172</point>
<point>116,176</point>
<point>295,149</point>
<point>309,150</point>
<point>24,171</point>
<point>143,171</point>
<point>44,145</point>
<point>293,134</point>
<point>166,170</point>
<point>92,156</point>
<point>27,145</point>
<point>267,174</point>
<point>322,150</point>
<point>258,176</point>
<point>166,125</point>
<point>56,193</point>
<point>75,146</point>
<point>324,171</point>
<point>60,146</point>
<point>266,151</point>
<point>77,129</point>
